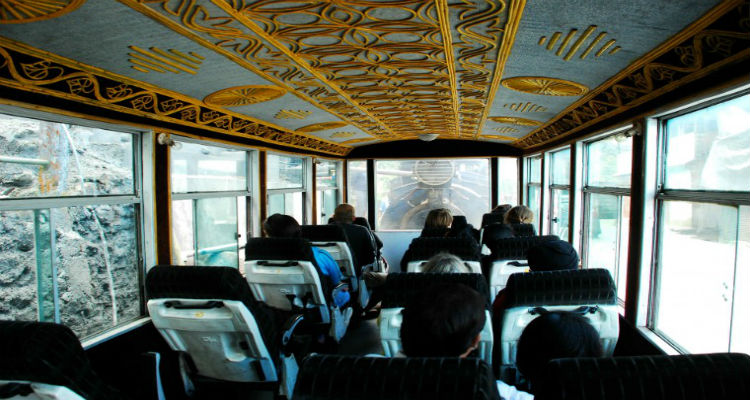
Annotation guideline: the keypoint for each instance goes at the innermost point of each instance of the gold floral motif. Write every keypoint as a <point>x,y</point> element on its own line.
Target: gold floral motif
<point>292,114</point>
<point>499,137</point>
<point>525,107</point>
<point>545,86</point>
<point>23,11</point>
<point>339,135</point>
<point>323,126</point>
<point>505,129</point>
<point>354,141</point>
<point>244,95</point>
<point>515,121</point>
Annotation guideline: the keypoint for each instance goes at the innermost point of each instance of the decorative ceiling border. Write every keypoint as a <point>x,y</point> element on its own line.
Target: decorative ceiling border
<point>30,69</point>
<point>229,37</point>
<point>720,37</point>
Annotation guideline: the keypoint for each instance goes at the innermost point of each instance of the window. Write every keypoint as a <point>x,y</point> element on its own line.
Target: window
<point>327,188</point>
<point>286,186</point>
<point>407,190</point>
<point>534,187</point>
<point>606,197</point>
<point>700,300</point>
<point>357,187</point>
<point>507,181</point>
<point>71,215</point>
<point>211,197</point>
<point>559,193</point>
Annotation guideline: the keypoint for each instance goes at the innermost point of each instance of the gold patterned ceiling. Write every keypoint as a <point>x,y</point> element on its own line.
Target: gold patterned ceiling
<point>329,75</point>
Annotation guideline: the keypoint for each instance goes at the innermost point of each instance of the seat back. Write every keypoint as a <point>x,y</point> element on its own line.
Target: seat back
<point>210,314</point>
<point>324,376</point>
<point>400,288</point>
<point>282,273</point>
<point>422,249</point>
<point>523,229</point>
<point>332,238</point>
<point>492,218</point>
<point>681,377</point>
<point>568,290</point>
<point>47,359</point>
<point>509,257</point>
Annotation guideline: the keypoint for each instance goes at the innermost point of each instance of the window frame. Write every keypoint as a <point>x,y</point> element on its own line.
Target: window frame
<point>142,201</point>
<point>657,125</point>
<point>321,220</point>
<point>549,186</point>
<point>538,185</point>
<point>251,156</point>
<point>307,183</point>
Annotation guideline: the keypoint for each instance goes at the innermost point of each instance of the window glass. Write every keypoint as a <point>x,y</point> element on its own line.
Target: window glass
<point>97,266</point>
<point>24,265</point>
<point>696,275</point>
<point>709,149</point>
<point>199,168</point>
<point>533,203</point>
<point>560,209</point>
<point>608,221</point>
<point>609,162</point>
<point>560,167</point>
<point>357,187</point>
<point>508,177</point>
<point>535,169</point>
<point>216,231</point>
<point>287,203</point>
<point>49,159</point>
<point>740,340</point>
<point>326,204</point>
<point>408,189</point>
<point>285,172</point>
<point>183,239</point>
<point>326,174</point>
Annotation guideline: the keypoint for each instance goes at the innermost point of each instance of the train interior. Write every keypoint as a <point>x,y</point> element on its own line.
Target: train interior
<point>145,133</point>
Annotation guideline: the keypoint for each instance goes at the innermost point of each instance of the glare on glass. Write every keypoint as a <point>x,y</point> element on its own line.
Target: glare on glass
<point>284,172</point>
<point>216,231</point>
<point>709,149</point>
<point>199,168</point>
<point>508,181</point>
<point>326,174</point>
<point>609,162</point>
<point>287,203</point>
<point>357,187</point>
<point>535,169</point>
<point>560,167</point>
<point>607,227</point>
<point>560,213</point>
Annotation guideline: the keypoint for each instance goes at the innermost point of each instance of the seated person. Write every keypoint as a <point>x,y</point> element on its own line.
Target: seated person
<point>461,228</point>
<point>519,215</point>
<point>501,209</point>
<point>284,226</point>
<point>437,223</point>
<point>364,244</point>
<point>553,255</point>
<point>445,263</point>
<point>556,334</point>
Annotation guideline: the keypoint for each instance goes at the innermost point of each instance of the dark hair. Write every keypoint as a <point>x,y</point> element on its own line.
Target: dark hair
<point>557,334</point>
<point>281,226</point>
<point>552,255</point>
<point>442,321</point>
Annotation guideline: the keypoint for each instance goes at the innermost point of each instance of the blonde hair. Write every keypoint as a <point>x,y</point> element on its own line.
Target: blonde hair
<point>438,218</point>
<point>519,215</point>
<point>445,263</point>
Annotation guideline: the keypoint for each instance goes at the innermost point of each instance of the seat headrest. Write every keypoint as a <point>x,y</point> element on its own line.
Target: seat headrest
<point>515,248</point>
<point>523,229</point>
<point>324,376</point>
<point>189,282</point>
<point>362,221</point>
<point>400,288</point>
<point>568,287</point>
<point>434,232</point>
<point>497,231</point>
<point>322,233</point>
<point>422,248</point>
<point>492,218</point>
<point>279,249</point>
<point>49,353</point>
<point>459,222</point>
<point>695,376</point>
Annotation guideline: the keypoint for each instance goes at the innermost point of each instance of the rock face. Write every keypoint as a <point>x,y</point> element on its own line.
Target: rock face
<point>69,271</point>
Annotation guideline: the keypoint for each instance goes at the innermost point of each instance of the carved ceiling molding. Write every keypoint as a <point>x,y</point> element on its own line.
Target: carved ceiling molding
<point>243,95</point>
<point>516,121</point>
<point>322,126</point>
<point>545,86</point>
<point>720,37</point>
<point>24,11</point>
<point>392,68</point>
<point>29,69</point>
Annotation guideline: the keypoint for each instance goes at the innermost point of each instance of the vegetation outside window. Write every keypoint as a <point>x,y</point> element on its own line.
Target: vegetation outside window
<point>406,190</point>
<point>70,222</point>
<point>210,204</point>
<point>700,301</point>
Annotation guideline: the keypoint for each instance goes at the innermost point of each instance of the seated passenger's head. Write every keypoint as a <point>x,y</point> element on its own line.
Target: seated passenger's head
<point>281,226</point>
<point>552,255</point>
<point>502,208</point>
<point>519,215</point>
<point>344,213</point>
<point>444,262</point>
<point>443,320</point>
<point>557,334</point>
<point>438,218</point>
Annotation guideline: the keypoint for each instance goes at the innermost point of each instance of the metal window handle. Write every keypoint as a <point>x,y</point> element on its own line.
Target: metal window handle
<point>555,220</point>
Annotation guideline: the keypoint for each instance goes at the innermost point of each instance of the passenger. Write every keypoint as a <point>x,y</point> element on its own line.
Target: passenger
<point>437,223</point>
<point>519,215</point>
<point>445,320</point>
<point>557,334</point>
<point>502,209</point>
<point>284,226</point>
<point>363,242</point>
<point>444,262</point>
<point>461,228</point>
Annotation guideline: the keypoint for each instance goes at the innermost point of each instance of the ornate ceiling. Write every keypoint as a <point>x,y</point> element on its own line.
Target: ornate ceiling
<point>329,75</point>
